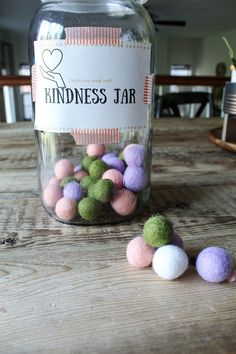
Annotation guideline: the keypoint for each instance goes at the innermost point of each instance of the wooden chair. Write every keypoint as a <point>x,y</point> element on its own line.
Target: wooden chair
<point>168,104</point>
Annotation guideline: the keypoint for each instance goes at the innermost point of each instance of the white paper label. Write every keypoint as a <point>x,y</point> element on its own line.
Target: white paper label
<point>90,86</point>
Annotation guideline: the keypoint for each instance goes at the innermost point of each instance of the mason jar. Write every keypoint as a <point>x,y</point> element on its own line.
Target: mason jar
<point>92,66</point>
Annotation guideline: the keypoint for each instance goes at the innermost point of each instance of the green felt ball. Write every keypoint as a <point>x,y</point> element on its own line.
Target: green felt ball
<point>86,182</point>
<point>86,162</point>
<point>97,168</point>
<point>66,180</point>
<point>102,190</point>
<point>89,208</point>
<point>121,156</point>
<point>90,190</point>
<point>157,231</point>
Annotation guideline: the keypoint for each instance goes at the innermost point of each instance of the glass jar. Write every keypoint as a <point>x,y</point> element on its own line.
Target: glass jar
<point>92,64</point>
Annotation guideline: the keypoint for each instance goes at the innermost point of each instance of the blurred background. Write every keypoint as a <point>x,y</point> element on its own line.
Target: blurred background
<point>189,43</point>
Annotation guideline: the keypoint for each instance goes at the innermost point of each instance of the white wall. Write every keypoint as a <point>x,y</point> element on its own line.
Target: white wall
<point>214,51</point>
<point>203,54</point>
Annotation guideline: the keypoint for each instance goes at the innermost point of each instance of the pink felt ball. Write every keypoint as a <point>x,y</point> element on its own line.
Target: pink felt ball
<point>115,176</point>
<point>54,180</point>
<point>52,193</point>
<point>95,149</point>
<point>80,175</point>
<point>124,202</point>
<point>138,253</point>
<point>64,168</point>
<point>66,209</point>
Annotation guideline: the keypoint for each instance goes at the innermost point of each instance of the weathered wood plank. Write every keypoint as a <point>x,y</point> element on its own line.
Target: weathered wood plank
<point>69,289</point>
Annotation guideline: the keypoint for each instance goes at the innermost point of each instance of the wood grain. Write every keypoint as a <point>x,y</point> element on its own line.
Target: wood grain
<point>69,289</point>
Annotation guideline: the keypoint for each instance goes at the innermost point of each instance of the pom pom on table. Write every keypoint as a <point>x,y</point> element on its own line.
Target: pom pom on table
<point>157,231</point>
<point>134,155</point>
<point>115,176</point>
<point>138,253</point>
<point>214,264</point>
<point>124,202</point>
<point>52,193</point>
<point>169,262</point>
<point>89,208</point>
<point>95,149</point>
<point>63,168</point>
<point>97,168</point>
<point>134,178</point>
<point>177,241</point>
<point>66,209</point>
<point>73,190</point>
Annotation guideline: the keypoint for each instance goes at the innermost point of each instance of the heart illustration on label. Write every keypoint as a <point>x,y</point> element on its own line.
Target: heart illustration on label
<point>52,59</point>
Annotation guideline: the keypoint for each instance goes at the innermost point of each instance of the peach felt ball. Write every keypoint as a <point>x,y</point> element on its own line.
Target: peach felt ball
<point>64,168</point>
<point>115,176</point>
<point>124,202</point>
<point>95,149</point>
<point>80,175</point>
<point>52,193</point>
<point>66,209</point>
<point>138,253</point>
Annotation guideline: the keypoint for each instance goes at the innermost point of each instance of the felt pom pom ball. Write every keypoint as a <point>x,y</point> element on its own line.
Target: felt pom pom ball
<point>124,202</point>
<point>116,163</point>
<point>54,180</point>
<point>177,241</point>
<point>102,190</point>
<point>73,190</point>
<point>86,182</point>
<point>134,155</point>
<point>86,162</point>
<point>52,193</point>
<point>106,157</point>
<point>95,149</point>
<point>134,179</point>
<point>66,180</point>
<point>214,264</point>
<point>169,262</point>
<point>157,231</point>
<point>80,175</point>
<point>66,209</point>
<point>115,176</point>
<point>97,168</point>
<point>138,253</point>
<point>63,168</point>
<point>89,208</point>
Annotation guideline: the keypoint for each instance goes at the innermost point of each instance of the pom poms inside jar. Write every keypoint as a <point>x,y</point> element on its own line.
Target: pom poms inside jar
<point>116,184</point>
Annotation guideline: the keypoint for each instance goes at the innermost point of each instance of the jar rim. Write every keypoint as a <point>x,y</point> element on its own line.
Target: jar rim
<point>44,1</point>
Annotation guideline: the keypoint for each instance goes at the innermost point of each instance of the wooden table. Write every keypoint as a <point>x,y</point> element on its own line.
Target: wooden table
<point>67,289</point>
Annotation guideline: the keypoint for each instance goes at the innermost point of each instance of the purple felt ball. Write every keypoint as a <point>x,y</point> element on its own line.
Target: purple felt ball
<point>73,190</point>
<point>117,164</point>
<point>134,179</point>
<point>106,157</point>
<point>177,241</point>
<point>134,155</point>
<point>214,264</point>
<point>77,168</point>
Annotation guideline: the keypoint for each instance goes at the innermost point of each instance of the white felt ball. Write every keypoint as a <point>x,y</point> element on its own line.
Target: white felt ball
<point>170,262</point>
